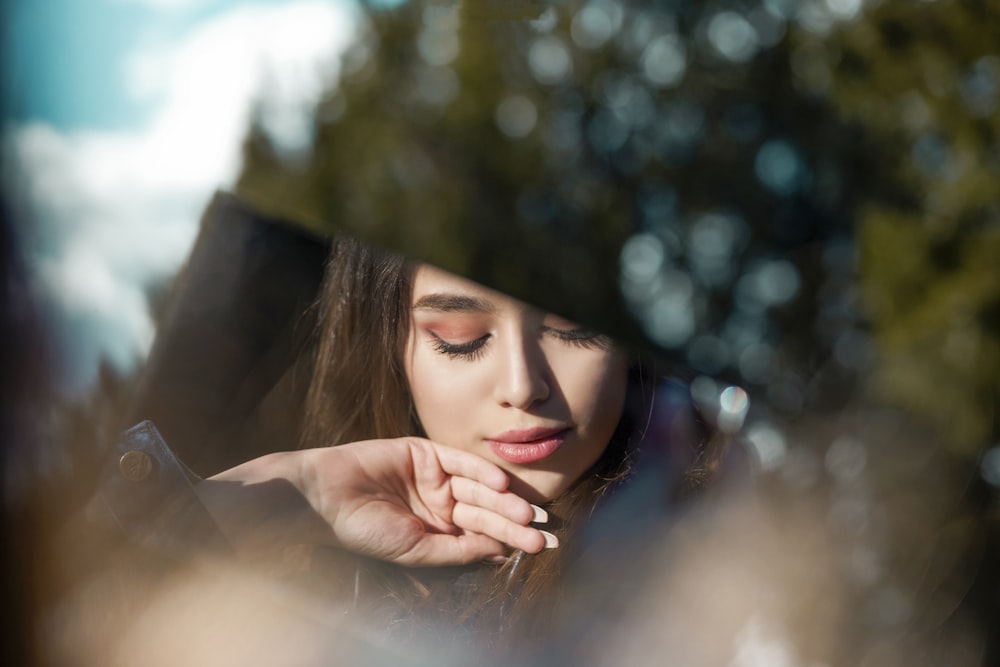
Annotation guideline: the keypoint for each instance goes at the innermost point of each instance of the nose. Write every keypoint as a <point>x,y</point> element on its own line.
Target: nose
<point>522,380</point>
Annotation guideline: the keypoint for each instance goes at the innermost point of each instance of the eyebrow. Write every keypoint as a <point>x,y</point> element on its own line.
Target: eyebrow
<point>452,303</point>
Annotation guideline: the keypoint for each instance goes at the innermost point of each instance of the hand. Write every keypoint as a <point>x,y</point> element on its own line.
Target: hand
<point>407,500</point>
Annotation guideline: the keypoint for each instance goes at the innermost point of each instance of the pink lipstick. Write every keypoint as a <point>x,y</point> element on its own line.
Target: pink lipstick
<point>527,445</point>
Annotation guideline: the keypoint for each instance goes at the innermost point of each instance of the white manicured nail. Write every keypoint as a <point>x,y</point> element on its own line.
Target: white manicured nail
<point>540,515</point>
<point>551,541</point>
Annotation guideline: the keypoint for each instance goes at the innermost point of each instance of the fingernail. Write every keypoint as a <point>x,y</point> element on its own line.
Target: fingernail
<point>495,560</point>
<point>540,515</point>
<point>551,541</point>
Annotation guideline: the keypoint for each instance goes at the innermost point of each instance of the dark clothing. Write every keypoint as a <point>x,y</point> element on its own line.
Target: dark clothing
<point>147,493</point>
<point>223,382</point>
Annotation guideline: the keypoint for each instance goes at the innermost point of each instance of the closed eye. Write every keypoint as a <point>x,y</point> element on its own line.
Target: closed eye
<point>581,336</point>
<point>468,351</point>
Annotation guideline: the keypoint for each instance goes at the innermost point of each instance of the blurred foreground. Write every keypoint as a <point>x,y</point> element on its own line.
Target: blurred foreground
<point>794,197</point>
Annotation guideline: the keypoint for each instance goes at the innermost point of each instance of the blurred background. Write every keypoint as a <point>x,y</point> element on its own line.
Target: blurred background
<point>794,197</point>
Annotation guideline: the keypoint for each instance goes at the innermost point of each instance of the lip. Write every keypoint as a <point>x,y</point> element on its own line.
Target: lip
<point>527,445</point>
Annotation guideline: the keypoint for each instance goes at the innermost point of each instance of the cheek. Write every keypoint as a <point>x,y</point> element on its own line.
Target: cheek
<point>440,394</point>
<point>608,396</point>
<point>596,398</point>
<point>596,385</point>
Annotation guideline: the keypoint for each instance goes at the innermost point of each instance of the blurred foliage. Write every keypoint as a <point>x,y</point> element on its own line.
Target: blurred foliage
<point>709,178</point>
<point>925,78</point>
<point>605,168</point>
<point>795,195</point>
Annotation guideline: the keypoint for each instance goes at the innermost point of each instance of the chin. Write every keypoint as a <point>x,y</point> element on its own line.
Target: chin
<point>537,491</point>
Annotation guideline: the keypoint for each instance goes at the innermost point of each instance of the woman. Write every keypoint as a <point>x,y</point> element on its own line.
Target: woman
<point>459,414</point>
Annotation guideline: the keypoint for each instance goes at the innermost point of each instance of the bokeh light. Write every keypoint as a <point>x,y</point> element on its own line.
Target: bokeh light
<point>550,60</point>
<point>596,22</point>
<point>516,116</point>
<point>768,444</point>
<point>664,61</point>
<point>793,201</point>
<point>732,36</point>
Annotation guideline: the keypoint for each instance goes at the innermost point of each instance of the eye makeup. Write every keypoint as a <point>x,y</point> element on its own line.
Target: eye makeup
<point>525,389</point>
<point>458,335</point>
<point>446,318</point>
<point>474,349</point>
<point>468,351</point>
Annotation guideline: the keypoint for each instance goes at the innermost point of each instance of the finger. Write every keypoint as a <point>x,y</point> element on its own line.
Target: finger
<point>500,528</point>
<point>436,550</point>
<point>504,503</point>
<point>456,462</point>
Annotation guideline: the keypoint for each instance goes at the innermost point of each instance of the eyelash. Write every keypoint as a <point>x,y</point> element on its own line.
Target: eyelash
<point>472,350</point>
<point>467,351</point>
<point>581,337</point>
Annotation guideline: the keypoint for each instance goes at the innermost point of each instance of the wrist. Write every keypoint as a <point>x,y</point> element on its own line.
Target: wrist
<point>265,502</point>
<point>277,465</point>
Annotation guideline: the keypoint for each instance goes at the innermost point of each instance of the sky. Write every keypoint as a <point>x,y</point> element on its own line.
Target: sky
<point>123,117</point>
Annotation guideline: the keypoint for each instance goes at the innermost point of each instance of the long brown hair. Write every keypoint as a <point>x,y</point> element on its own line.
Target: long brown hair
<point>359,391</point>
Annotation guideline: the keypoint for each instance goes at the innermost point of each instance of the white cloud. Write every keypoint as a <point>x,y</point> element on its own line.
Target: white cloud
<point>115,212</point>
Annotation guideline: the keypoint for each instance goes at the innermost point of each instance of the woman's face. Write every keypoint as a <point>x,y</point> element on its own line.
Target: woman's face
<point>532,392</point>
